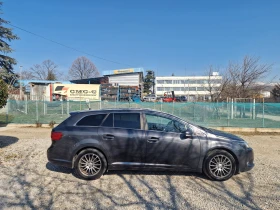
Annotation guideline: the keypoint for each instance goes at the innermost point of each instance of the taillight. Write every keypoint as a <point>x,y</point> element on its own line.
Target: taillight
<point>56,136</point>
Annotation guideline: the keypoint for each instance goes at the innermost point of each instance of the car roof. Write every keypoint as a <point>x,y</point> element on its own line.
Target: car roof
<point>121,110</point>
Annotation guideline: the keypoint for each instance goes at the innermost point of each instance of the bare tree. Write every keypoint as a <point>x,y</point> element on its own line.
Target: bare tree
<point>83,68</point>
<point>45,71</point>
<point>216,84</point>
<point>25,74</point>
<point>243,78</point>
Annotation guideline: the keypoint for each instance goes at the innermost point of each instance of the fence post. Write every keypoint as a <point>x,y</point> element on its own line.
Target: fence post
<point>231,116</point>
<point>194,111</point>
<point>68,110</point>
<point>254,109</point>
<point>62,107</point>
<point>7,112</point>
<point>37,114</point>
<point>44,106</point>
<point>26,104</point>
<point>263,114</point>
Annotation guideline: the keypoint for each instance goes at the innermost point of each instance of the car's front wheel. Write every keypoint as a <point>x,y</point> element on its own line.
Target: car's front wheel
<point>90,164</point>
<point>219,165</point>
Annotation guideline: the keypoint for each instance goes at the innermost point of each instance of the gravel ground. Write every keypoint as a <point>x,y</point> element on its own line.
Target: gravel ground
<point>28,181</point>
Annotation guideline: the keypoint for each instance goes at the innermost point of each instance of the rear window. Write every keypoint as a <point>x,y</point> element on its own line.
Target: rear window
<point>91,120</point>
<point>127,120</point>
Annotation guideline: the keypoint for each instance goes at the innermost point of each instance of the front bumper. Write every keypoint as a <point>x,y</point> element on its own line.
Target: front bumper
<point>248,161</point>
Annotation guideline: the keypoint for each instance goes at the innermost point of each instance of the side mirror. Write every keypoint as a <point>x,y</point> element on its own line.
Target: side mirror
<point>188,134</point>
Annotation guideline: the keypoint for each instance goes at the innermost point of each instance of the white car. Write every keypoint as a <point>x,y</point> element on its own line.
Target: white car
<point>151,97</point>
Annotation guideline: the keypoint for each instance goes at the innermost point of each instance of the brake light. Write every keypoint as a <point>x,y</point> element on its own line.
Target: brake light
<point>56,136</point>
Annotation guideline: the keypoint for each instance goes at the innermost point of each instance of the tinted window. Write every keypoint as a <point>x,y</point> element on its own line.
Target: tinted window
<point>159,123</point>
<point>127,120</point>
<point>91,120</point>
<point>108,121</point>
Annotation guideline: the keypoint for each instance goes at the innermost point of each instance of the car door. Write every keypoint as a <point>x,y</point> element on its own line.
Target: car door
<point>168,146</point>
<point>121,135</point>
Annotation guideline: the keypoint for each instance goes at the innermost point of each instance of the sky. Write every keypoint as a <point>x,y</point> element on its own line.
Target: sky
<point>180,37</point>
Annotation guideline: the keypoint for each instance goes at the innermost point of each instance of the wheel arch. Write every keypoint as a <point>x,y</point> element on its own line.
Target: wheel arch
<point>88,147</point>
<point>227,150</point>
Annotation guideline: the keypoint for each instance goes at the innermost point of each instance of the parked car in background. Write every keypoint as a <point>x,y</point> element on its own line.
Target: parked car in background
<point>93,142</point>
<point>183,98</point>
<point>150,97</point>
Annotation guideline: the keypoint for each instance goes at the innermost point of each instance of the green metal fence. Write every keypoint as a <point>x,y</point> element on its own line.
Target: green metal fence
<point>250,115</point>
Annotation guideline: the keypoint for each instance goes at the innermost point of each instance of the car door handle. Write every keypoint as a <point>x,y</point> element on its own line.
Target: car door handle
<point>108,137</point>
<point>153,140</point>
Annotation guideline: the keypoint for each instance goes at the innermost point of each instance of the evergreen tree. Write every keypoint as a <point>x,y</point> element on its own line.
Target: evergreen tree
<point>276,92</point>
<point>149,81</point>
<point>6,62</point>
<point>3,93</point>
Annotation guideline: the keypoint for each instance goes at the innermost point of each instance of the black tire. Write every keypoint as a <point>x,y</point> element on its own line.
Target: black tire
<point>219,165</point>
<point>90,164</point>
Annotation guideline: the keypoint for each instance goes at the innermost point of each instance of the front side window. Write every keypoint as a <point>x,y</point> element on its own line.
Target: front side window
<point>91,120</point>
<point>127,120</point>
<point>159,123</point>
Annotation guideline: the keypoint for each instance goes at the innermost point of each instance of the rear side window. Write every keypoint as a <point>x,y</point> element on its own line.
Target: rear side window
<point>127,120</point>
<point>108,121</point>
<point>91,120</point>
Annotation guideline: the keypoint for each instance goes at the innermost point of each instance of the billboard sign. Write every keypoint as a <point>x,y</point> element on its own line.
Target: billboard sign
<point>123,71</point>
<point>77,91</point>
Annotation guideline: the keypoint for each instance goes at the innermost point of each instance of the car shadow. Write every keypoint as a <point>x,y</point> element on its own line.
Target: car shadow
<point>157,173</point>
<point>61,169</point>
<point>7,140</point>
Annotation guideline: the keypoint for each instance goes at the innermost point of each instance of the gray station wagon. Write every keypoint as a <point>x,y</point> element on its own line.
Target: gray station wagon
<point>93,142</point>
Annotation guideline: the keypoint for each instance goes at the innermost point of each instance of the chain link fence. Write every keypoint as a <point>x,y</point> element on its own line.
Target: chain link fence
<point>227,114</point>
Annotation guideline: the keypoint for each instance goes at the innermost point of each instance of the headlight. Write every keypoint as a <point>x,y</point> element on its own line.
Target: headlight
<point>244,144</point>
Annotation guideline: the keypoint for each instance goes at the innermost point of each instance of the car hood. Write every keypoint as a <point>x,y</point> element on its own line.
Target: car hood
<point>221,134</point>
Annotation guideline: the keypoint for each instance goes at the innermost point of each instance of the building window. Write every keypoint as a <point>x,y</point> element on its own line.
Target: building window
<point>200,89</point>
<point>177,89</point>
<point>167,81</point>
<point>192,82</point>
<point>160,89</point>
<point>160,81</point>
<point>192,88</point>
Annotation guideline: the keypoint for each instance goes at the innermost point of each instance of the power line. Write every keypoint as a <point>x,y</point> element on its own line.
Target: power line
<point>72,48</point>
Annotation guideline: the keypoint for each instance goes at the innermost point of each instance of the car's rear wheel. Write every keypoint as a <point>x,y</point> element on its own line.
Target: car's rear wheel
<point>219,165</point>
<point>90,164</point>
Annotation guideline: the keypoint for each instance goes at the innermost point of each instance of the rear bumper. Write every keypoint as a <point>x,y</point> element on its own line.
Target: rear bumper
<point>57,161</point>
<point>248,162</point>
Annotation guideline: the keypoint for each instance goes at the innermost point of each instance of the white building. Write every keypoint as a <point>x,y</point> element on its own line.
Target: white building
<point>125,77</point>
<point>190,86</point>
